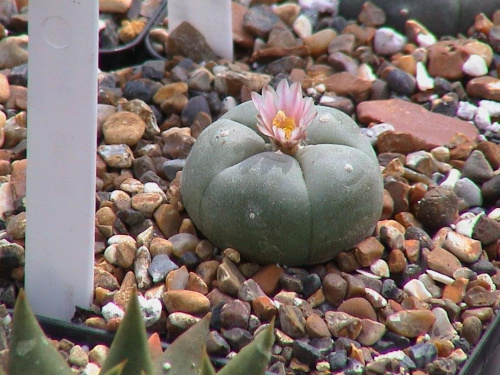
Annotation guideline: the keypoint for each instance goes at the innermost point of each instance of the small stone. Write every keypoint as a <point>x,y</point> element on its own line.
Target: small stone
<point>229,278</point>
<point>485,87</point>
<point>116,156</point>
<point>186,301</point>
<point>371,15</point>
<point>13,51</point>
<point>443,261</point>
<point>185,40</point>
<point>472,329</point>
<point>160,266</point>
<point>337,360</point>
<point>371,332</point>
<point>235,314</point>
<point>316,327</point>
<point>318,42</point>
<point>401,82</point>
<point>358,307</point>
<point>302,26</point>
<point>249,290</point>
<point>442,329</point>
<point>387,41</point>
<point>380,268</point>
<point>479,297</point>
<point>123,128</point>
<point>464,248</point>
<point>467,190</point>
<point>423,353</point>
<point>486,230</point>
<point>477,168</point>
<point>292,321</point>
<point>417,289</point>
<point>491,189</point>
<point>183,243</point>
<point>268,278</point>
<point>341,324</point>
<point>368,251</point>
<point>259,20</point>
<point>423,80</point>
<point>78,356</point>
<point>264,308</point>
<point>438,208</point>
<point>237,338</point>
<point>121,255</point>
<point>305,353</point>
<point>396,261</point>
<point>411,323</point>
<point>475,66</point>
<point>335,288</point>
<point>168,219</point>
<point>347,84</point>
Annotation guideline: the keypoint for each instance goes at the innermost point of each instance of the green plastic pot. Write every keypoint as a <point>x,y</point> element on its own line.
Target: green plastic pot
<point>275,208</point>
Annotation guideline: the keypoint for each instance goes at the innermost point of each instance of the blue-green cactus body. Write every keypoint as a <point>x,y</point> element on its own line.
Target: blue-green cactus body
<point>277,208</point>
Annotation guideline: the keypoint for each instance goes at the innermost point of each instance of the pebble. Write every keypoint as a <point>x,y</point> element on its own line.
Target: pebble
<point>229,278</point>
<point>411,323</point>
<point>358,307</point>
<point>368,251</point>
<point>387,41</point>
<point>186,301</point>
<point>292,321</point>
<point>471,329</point>
<point>259,20</point>
<point>237,338</point>
<point>475,66</point>
<point>401,82</point>
<point>186,41</point>
<point>235,314</point>
<point>438,208</point>
<point>123,128</point>
<point>470,192</point>
<point>423,353</point>
<point>341,324</point>
<point>335,288</point>
<point>116,155</point>
<point>160,266</point>
<point>464,248</point>
<point>477,168</point>
<point>417,289</point>
<point>13,51</point>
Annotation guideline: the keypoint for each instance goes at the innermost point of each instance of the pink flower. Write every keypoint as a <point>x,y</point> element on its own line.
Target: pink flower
<point>284,114</point>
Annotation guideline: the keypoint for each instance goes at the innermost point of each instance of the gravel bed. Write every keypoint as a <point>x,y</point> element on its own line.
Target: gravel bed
<point>415,297</point>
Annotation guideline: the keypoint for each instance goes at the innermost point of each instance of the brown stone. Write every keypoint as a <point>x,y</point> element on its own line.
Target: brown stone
<point>185,40</point>
<point>341,324</point>
<point>371,15</point>
<point>347,261</point>
<point>316,327</point>
<point>412,250</point>
<point>268,278</point>
<point>371,332</point>
<point>485,87</point>
<point>479,297</point>
<point>264,308</point>
<point>318,42</point>
<point>229,277</point>
<point>335,288</point>
<point>456,290</point>
<point>397,261</point>
<point>491,152</point>
<point>358,307</point>
<point>441,260</point>
<point>123,127</point>
<point>411,323</point>
<point>168,219</point>
<point>186,301</point>
<point>196,284</point>
<point>368,251</point>
<point>347,84</point>
<point>292,321</point>
<point>433,129</point>
<point>18,179</point>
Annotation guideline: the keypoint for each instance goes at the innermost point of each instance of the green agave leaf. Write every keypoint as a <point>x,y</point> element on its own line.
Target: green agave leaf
<point>117,370</point>
<point>206,365</point>
<point>30,350</point>
<point>130,343</point>
<point>185,355</point>
<point>255,356</point>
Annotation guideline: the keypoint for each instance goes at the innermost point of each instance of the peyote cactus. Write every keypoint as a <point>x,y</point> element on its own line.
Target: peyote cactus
<point>287,196</point>
<point>31,353</point>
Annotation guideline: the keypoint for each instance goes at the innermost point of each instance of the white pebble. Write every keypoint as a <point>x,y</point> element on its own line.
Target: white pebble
<point>111,311</point>
<point>439,277</point>
<point>121,238</point>
<point>229,103</point>
<point>424,81</point>
<point>388,41</point>
<point>417,289</point>
<point>466,226</point>
<point>487,279</point>
<point>150,309</point>
<point>376,299</point>
<point>426,40</point>
<point>365,72</point>
<point>302,26</point>
<point>153,187</point>
<point>482,119</point>
<point>380,268</point>
<point>91,369</point>
<point>451,179</point>
<point>322,6</point>
<point>495,214</point>
<point>368,274</point>
<point>466,110</point>
<point>494,128</point>
<point>491,106</point>
<point>475,66</point>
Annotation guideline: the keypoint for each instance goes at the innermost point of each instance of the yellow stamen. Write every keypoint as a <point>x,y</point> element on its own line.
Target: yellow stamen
<point>285,123</point>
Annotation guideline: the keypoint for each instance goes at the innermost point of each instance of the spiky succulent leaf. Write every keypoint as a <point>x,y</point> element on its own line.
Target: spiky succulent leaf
<point>130,343</point>
<point>206,365</point>
<point>30,350</point>
<point>254,356</point>
<point>185,355</point>
<point>117,370</point>
<point>154,344</point>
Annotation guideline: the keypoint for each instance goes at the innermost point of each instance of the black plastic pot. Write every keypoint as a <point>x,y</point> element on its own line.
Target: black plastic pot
<point>441,17</point>
<point>135,51</point>
<point>482,361</point>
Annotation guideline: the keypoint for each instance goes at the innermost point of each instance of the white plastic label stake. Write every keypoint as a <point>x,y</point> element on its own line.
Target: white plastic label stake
<point>61,167</point>
<point>212,18</point>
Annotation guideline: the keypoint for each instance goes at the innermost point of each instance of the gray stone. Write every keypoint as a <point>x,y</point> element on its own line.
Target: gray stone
<point>160,266</point>
<point>466,189</point>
